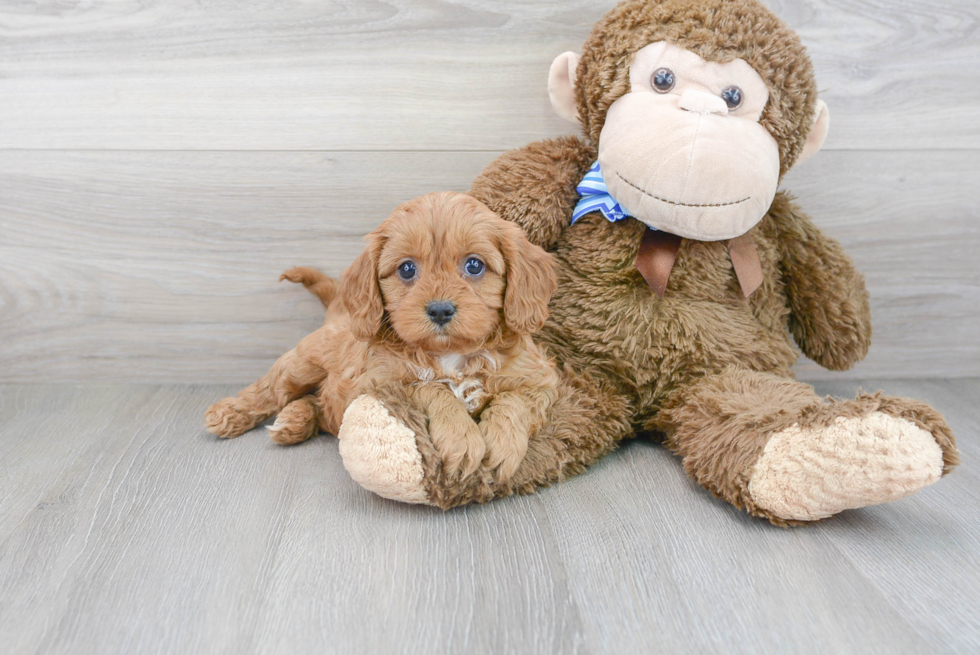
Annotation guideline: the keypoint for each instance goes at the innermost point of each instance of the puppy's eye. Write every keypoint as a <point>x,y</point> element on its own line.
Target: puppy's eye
<point>407,271</point>
<point>663,80</point>
<point>474,267</point>
<point>732,97</point>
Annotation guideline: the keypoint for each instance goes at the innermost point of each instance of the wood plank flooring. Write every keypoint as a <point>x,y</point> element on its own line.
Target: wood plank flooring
<point>125,528</point>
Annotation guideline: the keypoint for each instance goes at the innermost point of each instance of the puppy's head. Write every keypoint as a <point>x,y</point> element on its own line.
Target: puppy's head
<point>447,274</point>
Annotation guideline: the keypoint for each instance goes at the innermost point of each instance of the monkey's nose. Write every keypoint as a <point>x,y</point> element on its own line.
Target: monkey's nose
<point>703,103</point>
<point>440,312</point>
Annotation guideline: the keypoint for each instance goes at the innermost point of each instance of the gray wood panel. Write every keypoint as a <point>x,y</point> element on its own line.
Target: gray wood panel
<point>124,528</point>
<point>423,74</point>
<point>162,266</point>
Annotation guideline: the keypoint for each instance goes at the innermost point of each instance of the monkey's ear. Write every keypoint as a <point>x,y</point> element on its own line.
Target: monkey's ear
<point>818,133</point>
<point>561,86</point>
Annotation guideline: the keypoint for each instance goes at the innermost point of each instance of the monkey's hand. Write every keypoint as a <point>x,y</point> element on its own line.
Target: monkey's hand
<point>830,316</point>
<point>534,186</point>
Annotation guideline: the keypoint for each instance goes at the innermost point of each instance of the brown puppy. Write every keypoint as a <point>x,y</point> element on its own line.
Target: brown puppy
<point>443,299</point>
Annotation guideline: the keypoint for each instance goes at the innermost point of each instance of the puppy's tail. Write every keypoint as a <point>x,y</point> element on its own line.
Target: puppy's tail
<point>323,287</point>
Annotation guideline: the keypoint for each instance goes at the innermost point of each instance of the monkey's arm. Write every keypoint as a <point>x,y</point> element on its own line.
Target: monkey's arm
<point>534,186</point>
<point>830,317</point>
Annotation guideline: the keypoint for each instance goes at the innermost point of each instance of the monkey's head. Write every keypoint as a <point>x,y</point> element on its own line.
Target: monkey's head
<point>697,108</point>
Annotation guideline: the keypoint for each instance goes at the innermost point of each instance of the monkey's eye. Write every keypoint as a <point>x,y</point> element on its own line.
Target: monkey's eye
<point>407,271</point>
<point>732,97</point>
<point>474,267</point>
<point>663,80</point>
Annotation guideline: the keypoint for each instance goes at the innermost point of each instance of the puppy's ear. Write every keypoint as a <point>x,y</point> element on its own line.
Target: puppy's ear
<point>361,293</point>
<point>531,281</point>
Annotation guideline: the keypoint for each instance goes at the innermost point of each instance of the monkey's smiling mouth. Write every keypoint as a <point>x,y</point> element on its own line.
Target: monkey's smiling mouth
<point>681,204</point>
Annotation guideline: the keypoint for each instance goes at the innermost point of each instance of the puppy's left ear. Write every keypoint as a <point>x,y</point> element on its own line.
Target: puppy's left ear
<point>361,293</point>
<point>531,281</point>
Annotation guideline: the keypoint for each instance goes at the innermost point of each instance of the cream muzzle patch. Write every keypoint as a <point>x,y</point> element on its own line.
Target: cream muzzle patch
<point>706,170</point>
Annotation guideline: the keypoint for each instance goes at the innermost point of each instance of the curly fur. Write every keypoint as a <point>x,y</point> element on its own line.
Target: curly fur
<point>482,364</point>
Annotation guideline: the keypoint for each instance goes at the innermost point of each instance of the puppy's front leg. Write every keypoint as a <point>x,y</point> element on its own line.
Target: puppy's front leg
<point>454,434</point>
<point>507,424</point>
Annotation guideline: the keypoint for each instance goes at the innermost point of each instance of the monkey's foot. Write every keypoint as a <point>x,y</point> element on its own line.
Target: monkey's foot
<point>380,452</point>
<point>807,474</point>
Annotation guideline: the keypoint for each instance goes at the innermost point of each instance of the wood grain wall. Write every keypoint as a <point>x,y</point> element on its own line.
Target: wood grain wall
<point>162,162</point>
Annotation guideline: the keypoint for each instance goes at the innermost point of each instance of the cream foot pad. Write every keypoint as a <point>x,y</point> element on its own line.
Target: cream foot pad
<point>380,453</point>
<point>806,474</point>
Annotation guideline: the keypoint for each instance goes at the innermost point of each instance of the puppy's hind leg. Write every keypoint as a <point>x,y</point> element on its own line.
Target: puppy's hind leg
<point>291,377</point>
<point>297,422</point>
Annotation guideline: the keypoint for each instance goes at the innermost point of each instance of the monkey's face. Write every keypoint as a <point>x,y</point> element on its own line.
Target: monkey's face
<point>684,152</point>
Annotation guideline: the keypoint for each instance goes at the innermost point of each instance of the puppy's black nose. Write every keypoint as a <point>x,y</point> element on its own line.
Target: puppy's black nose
<point>440,312</point>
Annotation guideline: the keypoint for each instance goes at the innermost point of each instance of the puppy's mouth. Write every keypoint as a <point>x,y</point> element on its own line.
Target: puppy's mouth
<point>419,328</point>
<point>443,341</point>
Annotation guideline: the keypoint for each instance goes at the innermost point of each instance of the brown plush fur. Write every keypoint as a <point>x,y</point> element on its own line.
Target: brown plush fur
<point>716,30</point>
<point>586,422</point>
<point>481,364</point>
<point>706,367</point>
<point>721,424</point>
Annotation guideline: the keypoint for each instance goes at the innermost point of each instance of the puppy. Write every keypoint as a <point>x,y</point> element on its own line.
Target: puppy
<point>444,300</point>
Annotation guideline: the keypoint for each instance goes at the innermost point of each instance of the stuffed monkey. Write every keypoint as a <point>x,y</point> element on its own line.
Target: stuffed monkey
<point>683,273</point>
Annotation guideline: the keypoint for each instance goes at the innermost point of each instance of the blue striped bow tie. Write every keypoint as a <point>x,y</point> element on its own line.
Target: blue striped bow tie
<point>658,250</point>
<point>595,197</point>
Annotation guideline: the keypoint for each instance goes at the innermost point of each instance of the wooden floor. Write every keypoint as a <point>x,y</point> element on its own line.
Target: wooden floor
<point>125,528</point>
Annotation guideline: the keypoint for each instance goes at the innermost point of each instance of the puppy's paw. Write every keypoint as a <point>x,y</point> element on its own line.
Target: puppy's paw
<point>230,418</point>
<point>296,423</point>
<point>459,444</point>
<point>505,452</point>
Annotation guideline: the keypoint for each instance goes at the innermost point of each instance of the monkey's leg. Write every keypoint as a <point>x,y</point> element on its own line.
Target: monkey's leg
<point>772,447</point>
<point>291,377</point>
<point>386,447</point>
<point>297,422</point>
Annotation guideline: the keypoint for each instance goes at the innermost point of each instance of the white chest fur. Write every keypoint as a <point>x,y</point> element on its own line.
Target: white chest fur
<point>452,364</point>
<point>450,372</point>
